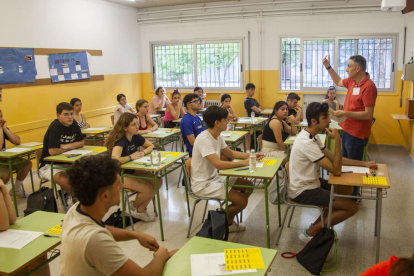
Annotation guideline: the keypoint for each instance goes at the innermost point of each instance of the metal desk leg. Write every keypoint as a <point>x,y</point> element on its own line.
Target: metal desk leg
<point>227,196</point>
<point>31,178</point>
<point>186,190</point>
<point>159,205</point>
<point>330,205</point>
<point>267,214</point>
<point>378,215</point>
<point>278,198</point>
<point>122,200</point>
<point>254,135</point>
<point>244,143</point>
<point>165,171</point>
<point>12,184</point>
<point>376,208</point>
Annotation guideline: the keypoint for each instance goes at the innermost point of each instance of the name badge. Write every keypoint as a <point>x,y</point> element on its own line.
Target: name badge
<point>355,91</point>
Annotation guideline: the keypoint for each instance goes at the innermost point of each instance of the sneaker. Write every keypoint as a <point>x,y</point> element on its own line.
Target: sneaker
<point>144,216</point>
<point>304,236</point>
<point>234,227</point>
<point>19,193</point>
<point>131,206</point>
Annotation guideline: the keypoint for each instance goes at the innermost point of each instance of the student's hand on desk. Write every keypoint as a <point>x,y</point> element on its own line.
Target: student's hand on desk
<point>162,252</point>
<point>150,130</point>
<point>148,241</point>
<point>245,162</point>
<point>259,155</point>
<point>333,133</point>
<point>339,113</point>
<point>88,125</point>
<point>372,165</point>
<point>137,155</point>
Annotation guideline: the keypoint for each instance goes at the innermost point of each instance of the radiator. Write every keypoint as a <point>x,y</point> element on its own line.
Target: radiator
<point>208,103</point>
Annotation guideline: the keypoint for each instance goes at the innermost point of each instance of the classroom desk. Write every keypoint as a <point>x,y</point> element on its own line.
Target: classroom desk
<point>13,158</point>
<point>160,138</point>
<point>356,179</point>
<point>63,158</point>
<point>96,135</point>
<point>267,173</point>
<point>178,121</point>
<point>13,261</point>
<point>291,139</point>
<point>163,170</point>
<point>333,124</point>
<point>258,122</point>
<point>267,112</point>
<point>180,263</point>
<point>403,117</point>
<point>235,139</point>
<point>162,110</point>
<point>155,117</point>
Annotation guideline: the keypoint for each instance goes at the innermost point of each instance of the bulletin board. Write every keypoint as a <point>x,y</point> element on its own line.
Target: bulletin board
<point>69,66</point>
<point>17,66</point>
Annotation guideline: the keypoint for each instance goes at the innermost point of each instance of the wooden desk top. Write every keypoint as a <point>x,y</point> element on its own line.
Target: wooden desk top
<point>333,124</point>
<point>291,139</point>
<point>356,179</point>
<point>167,132</point>
<point>8,155</point>
<point>93,132</point>
<point>401,117</point>
<point>235,136</point>
<point>247,121</point>
<point>267,111</point>
<point>265,172</point>
<point>179,119</point>
<point>143,166</point>
<point>63,158</point>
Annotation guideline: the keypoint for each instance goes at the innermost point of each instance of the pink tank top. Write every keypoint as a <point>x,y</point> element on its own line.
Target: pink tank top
<point>168,116</point>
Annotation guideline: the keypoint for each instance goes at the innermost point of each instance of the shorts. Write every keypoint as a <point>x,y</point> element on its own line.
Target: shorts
<point>319,196</point>
<point>19,168</point>
<point>45,171</point>
<point>215,188</point>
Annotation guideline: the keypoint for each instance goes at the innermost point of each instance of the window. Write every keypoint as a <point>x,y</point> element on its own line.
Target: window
<point>302,68</point>
<point>209,65</point>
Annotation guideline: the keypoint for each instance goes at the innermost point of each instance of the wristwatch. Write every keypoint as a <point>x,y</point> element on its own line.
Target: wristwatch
<point>130,158</point>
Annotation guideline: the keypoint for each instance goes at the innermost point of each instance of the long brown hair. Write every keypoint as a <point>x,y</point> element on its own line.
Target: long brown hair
<point>140,103</point>
<point>118,131</point>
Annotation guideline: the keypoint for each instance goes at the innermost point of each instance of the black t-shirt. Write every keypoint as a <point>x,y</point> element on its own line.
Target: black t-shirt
<point>57,134</point>
<point>292,111</point>
<point>128,147</point>
<point>248,104</point>
<point>5,137</point>
<point>268,134</point>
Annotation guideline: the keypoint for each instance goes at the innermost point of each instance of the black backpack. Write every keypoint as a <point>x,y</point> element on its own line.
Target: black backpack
<point>115,219</point>
<point>215,226</point>
<point>41,200</point>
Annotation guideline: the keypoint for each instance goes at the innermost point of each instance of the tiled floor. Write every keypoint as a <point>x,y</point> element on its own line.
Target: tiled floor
<point>356,247</point>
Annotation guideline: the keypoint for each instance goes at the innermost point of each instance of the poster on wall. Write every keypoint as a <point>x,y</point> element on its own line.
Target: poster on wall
<point>17,66</point>
<point>69,66</point>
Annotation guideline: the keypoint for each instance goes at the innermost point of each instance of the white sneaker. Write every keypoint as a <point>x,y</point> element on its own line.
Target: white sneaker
<point>131,206</point>
<point>144,216</point>
<point>19,193</point>
<point>304,236</point>
<point>236,228</point>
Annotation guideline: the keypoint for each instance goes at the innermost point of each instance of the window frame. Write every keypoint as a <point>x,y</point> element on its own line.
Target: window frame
<point>302,89</point>
<point>195,43</point>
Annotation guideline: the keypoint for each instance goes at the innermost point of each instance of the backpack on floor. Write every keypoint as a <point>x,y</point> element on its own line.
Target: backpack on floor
<point>215,226</point>
<point>282,187</point>
<point>41,200</point>
<point>115,219</point>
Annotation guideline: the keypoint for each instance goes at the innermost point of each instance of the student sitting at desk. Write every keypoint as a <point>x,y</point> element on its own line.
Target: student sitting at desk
<point>160,100</point>
<point>79,118</point>
<point>201,96</point>
<point>276,131</point>
<point>22,169</point>
<point>307,155</point>
<point>122,107</point>
<point>62,135</point>
<point>251,104</point>
<point>330,98</point>
<point>190,124</point>
<point>295,111</point>
<point>174,110</point>
<point>205,163</point>
<point>89,247</point>
<point>146,123</point>
<point>124,144</point>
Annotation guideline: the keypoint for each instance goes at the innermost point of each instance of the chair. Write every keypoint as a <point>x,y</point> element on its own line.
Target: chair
<point>291,203</point>
<point>127,194</point>
<point>112,119</point>
<point>38,154</point>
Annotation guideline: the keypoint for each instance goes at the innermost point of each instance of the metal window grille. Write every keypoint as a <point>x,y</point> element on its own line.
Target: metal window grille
<point>290,74</point>
<point>218,65</point>
<point>346,49</point>
<point>174,65</point>
<point>314,73</point>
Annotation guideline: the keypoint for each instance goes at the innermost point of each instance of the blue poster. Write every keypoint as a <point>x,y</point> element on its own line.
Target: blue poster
<point>17,66</point>
<point>69,66</point>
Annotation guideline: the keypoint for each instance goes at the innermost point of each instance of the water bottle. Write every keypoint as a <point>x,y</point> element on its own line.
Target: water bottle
<point>252,116</point>
<point>252,162</point>
<point>155,158</point>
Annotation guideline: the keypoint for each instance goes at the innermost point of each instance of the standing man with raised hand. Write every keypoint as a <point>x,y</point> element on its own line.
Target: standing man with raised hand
<point>358,108</point>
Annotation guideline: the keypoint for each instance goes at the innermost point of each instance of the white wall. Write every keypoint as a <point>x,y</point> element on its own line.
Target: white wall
<point>74,24</point>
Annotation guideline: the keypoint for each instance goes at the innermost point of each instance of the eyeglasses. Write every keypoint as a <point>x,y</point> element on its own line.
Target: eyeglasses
<point>196,101</point>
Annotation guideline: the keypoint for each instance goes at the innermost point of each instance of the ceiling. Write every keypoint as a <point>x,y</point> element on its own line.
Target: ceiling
<point>159,3</point>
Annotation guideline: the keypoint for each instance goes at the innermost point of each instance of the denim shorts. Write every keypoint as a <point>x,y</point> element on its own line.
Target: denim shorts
<point>319,196</point>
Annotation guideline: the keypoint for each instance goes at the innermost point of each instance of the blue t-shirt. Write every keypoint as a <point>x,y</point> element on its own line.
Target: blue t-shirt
<point>128,147</point>
<point>190,125</point>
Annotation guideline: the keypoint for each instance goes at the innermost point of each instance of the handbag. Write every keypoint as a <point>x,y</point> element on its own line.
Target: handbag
<point>41,200</point>
<point>215,226</point>
<point>314,254</point>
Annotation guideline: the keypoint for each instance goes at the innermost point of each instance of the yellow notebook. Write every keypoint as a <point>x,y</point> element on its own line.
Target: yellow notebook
<point>170,154</point>
<point>243,258</point>
<point>99,149</point>
<point>375,180</point>
<point>268,162</point>
<point>57,230</point>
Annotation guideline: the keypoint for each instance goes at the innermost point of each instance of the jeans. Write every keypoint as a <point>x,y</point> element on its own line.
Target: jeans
<point>353,148</point>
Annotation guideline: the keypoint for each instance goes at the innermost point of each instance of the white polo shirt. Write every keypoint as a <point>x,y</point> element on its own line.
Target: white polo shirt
<point>303,168</point>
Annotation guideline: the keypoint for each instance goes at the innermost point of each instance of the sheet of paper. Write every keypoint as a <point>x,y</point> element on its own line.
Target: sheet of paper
<point>147,160</point>
<point>61,77</point>
<point>81,152</point>
<point>78,68</point>
<point>225,134</point>
<point>65,70</point>
<point>259,164</point>
<point>31,144</point>
<point>160,132</point>
<point>53,72</point>
<point>333,117</point>
<point>57,230</point>
<point>243,258</point>
<point>84,76</point>
<point>212,264</point>
<point>96,128</point>
<point>17,239</point>
<point>292,138</point>
<point>74,76</point>
<point>16,150</point>
<point>355,169</point>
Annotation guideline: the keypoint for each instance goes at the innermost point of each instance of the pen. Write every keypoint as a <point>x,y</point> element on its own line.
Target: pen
<point>348,172</point>
<point>51,236</point>
<point>366,174</point>
<point>243,169</point>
